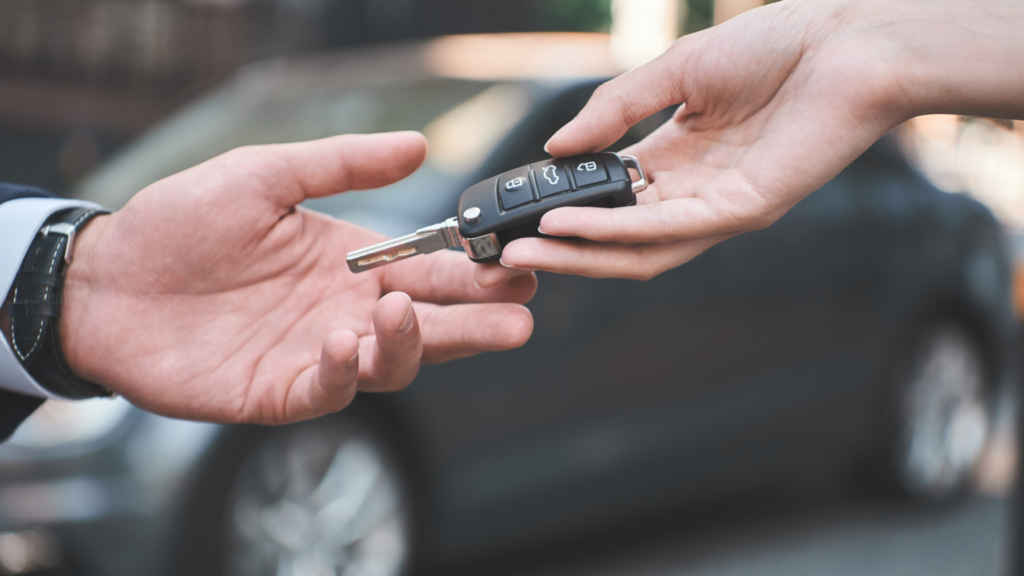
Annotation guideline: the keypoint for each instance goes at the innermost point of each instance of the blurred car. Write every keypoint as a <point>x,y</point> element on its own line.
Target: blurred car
<point>868,329</point>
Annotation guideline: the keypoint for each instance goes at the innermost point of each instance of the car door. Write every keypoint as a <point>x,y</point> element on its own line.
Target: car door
<point>631,395</point>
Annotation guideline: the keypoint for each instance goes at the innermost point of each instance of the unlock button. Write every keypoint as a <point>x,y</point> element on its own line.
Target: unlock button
<point>514,188</point>
<point>587,170</point>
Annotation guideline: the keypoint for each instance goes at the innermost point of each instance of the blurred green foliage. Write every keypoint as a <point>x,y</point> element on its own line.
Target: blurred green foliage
<point>575,15</point>
<point>700,14</point>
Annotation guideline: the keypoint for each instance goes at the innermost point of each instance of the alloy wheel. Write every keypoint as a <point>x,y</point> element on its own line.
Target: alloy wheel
<point>945,415</point>
<point>318,499</point>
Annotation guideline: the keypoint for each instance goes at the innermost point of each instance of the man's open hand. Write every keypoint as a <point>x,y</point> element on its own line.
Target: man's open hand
<point>212,296</point>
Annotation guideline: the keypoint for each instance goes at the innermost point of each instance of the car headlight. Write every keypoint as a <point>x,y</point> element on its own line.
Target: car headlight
<point>59,423</point>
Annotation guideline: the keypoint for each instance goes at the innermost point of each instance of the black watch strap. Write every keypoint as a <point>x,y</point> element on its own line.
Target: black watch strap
<point>36,305</point>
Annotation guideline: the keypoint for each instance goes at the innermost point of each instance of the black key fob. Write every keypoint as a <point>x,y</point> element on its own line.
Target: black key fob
<point>509,206</point>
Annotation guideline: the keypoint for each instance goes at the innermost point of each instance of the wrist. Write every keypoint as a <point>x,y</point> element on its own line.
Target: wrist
<point>854,57</point>
<point>36,306</point>
<point>955,57</point>
<point>80,287</point>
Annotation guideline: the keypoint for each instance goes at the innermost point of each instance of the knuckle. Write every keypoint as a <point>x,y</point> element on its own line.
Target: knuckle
<point>605,90</point>
<point>664,226</point>
<point>393,373</point>
<point>650,261</point>
<point>630,110</point>
<point>270,415</point>
<point>399,383</point>
<point>641,268</point>
<point>750,222</point>
<point>646,274</point>
<point>765,221</point>
<point>242,153</point>
<point>678,52</point>
<point>342,400</point>
<point>620,101</point>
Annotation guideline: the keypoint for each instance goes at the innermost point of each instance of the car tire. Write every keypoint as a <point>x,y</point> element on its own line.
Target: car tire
<point>327,496</point>
<point>939,414</point>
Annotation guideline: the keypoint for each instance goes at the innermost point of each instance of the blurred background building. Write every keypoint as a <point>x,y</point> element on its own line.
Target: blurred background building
<point>80,78</point>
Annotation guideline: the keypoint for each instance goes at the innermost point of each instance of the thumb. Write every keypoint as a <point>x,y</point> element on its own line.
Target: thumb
<point>341,163</point>
<point>622,102</point>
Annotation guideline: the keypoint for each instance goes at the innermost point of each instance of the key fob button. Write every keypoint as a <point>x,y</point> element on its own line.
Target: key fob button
<point>550,177</point>
<point>514,188</point>
<point>587,170</point>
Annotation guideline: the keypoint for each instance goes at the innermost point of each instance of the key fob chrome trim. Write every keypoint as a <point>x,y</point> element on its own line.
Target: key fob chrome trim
<point>632,162</point>
<point>482,247</point>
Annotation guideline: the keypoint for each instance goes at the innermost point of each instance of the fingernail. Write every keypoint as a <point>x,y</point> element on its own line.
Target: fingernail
<point>407,325</point>
<point>353,359</point>
<point>502,262</point>
<point>523,268</point>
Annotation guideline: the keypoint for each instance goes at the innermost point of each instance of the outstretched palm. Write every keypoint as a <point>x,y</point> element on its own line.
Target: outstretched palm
<point>211,296</point>
<point>769,116</point>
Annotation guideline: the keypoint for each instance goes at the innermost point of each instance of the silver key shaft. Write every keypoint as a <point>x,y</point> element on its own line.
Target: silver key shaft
<point>423,241</point>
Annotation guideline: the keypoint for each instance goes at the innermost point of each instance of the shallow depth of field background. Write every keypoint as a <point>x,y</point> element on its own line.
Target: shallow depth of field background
<point>82,79</point>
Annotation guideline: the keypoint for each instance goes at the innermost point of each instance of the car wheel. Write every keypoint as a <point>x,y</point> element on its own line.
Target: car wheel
<point>325,497</point>
<point>942,414</point>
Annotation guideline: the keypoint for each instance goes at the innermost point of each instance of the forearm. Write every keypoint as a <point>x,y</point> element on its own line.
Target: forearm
<point>954,57</point>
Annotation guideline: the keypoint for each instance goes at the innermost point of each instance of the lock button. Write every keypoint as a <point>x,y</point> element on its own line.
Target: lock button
<point>587,170</point>
<point>514,188</point>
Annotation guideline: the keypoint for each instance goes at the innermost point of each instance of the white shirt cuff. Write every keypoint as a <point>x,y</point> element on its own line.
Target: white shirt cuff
<point>20,221</point>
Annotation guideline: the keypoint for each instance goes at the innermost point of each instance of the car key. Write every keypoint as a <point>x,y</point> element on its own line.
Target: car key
<point>509,206</point>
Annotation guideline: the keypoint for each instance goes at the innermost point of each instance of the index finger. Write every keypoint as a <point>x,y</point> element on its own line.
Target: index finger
<point>622,102</point>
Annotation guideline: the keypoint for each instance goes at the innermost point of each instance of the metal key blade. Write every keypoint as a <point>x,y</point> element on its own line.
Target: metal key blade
<point>423,241</point>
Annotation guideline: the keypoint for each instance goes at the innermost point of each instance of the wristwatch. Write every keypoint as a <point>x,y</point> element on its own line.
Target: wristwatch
<point>36,305</point>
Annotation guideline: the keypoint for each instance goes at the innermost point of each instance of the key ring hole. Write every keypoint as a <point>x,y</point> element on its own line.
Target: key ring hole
<point>632,162</point>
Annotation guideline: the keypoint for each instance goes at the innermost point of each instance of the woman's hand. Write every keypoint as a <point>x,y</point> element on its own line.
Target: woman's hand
<point>777,102</point>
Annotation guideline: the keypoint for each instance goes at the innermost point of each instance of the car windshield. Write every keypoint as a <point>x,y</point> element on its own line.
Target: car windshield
<point>463,121</point>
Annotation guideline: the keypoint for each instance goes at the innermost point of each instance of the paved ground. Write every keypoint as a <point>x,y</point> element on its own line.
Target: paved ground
<point>823,536</point>
<point>833,538</point>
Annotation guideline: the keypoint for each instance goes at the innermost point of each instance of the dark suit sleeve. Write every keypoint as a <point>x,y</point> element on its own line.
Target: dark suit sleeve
<point>10,192</point>
<point>15,408</point>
